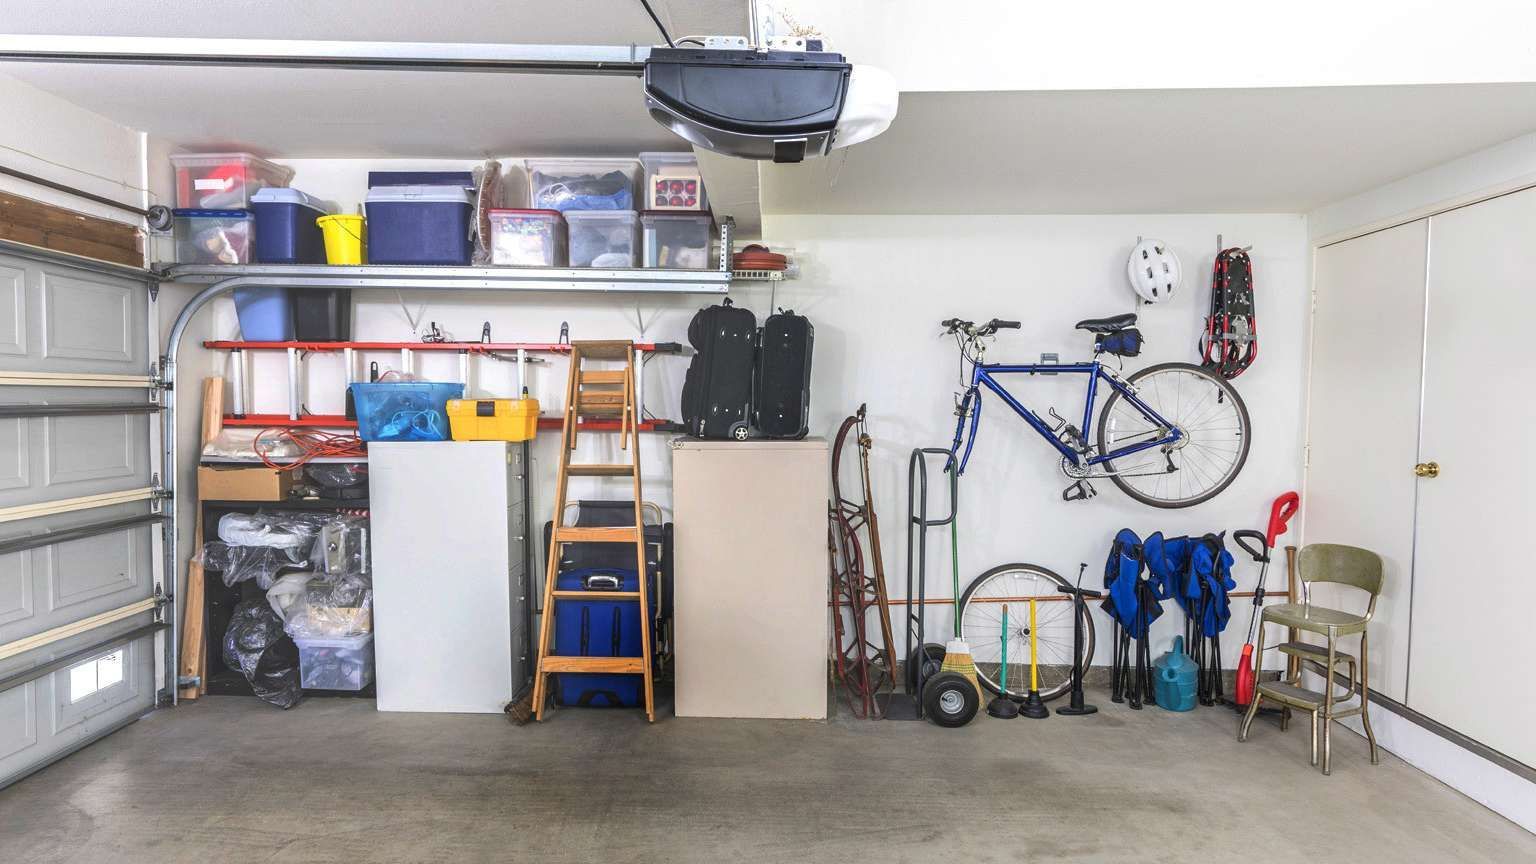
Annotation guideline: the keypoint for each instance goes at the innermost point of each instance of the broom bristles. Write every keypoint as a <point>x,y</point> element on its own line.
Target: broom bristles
<point>957,658</point>
<point>520,709</point>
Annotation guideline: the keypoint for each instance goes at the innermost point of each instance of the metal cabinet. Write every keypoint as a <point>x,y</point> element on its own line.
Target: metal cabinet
<point>450,574</point>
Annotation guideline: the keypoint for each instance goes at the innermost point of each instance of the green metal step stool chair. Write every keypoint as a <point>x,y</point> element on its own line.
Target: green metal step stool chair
<point>1340,565</point>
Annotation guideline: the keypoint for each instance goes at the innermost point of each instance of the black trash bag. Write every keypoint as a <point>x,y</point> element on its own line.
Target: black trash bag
<point>256,645</point>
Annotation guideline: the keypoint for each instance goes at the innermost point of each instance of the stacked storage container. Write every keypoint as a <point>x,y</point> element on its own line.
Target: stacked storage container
<point>596,197</point>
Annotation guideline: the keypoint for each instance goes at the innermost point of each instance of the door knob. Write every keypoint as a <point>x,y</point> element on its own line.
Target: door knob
<point>1427,469</point>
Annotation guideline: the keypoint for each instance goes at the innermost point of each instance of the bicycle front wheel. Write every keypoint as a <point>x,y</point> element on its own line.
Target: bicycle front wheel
<point>1214,435</point>
<point>981,626</point>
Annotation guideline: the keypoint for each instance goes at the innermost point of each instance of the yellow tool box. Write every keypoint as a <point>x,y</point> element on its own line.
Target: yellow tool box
<point>493,419</point>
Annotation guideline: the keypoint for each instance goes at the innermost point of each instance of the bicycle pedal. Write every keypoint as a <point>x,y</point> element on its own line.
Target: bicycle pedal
<point>1082,490</point>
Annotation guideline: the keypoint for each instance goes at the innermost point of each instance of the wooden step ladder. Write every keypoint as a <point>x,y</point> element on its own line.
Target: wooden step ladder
<point>605,394</point>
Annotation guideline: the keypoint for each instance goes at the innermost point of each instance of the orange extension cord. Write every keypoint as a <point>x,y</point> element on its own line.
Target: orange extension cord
<point>312,444</point>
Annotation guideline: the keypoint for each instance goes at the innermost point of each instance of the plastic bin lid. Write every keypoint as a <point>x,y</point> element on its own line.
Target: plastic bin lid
<point>284,195</point>
<point>586,165</point>
<point>357,641</point>
<point>196,213</point>
<point>670,157</point>
<point>601,215</point>
<point>419,194</point>
<point>676,216</point>
<point>513,211</point>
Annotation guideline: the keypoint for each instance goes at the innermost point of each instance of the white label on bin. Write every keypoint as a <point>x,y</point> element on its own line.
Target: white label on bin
<point>212,184</point>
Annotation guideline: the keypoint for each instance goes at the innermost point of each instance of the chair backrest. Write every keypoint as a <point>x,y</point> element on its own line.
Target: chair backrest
<point>1343,565</point>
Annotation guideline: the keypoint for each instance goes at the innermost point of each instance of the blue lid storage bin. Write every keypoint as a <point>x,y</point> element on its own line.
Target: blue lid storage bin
<point>265,313</point>
<point>404,410</point>
<point>286,231</point>
<point>419,225</point>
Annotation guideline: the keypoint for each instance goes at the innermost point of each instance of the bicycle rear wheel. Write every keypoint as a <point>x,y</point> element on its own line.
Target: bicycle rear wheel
<point>1212,419</point>
<point>981,626</point>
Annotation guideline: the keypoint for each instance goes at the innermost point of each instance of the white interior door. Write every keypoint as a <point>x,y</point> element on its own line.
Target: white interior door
<point>1474,589</point>
<point>1362,421</point>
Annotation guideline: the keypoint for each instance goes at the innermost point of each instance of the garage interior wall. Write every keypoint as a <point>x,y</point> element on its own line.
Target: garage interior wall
<point>875,287</point>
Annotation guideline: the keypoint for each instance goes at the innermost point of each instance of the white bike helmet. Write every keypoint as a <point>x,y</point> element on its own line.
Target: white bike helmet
<point>1154,270</point>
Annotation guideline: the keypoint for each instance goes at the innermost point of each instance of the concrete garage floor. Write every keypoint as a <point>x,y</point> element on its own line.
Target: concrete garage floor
<point>229,779</point>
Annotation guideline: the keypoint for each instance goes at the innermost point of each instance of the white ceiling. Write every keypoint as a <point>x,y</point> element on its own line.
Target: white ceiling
<point>1150,151</point>
<point>307,113</point>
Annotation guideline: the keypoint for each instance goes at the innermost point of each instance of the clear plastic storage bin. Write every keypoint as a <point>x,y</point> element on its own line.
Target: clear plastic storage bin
<point>213,236</point>
<point>672,182</point>
<point>527,238</point>
<point>603,239</point>
<point>582,184</point>
<point>676,240</point>
<point>404,410</point>
<point>337,663</point>
<point>223,181</point>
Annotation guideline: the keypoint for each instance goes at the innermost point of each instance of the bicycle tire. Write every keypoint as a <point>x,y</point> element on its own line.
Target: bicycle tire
<point>1244,432</point>
<point>1054,631</point>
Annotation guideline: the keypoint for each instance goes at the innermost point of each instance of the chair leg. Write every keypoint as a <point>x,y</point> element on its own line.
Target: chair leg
<point>1253,711</point>
<point>1314,739</point>
<point>1328,705</point>
<point>1365,696</point>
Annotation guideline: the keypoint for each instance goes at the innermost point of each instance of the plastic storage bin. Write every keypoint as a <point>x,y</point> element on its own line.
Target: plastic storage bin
<point>322,314</point>
<point>603,239</point>
<point>286,227</point>
<point>672,182</point>
<point>265,313</point>
<point>213,236</point>
<point>582,184</point>
<point>527,238</point>
<point>337,663</point>
<point>676,240</point>
<point>404,410</point>
<point>419,225</point>
<point>493,419</point>
<point>223,181</point>
<point>346,239</point>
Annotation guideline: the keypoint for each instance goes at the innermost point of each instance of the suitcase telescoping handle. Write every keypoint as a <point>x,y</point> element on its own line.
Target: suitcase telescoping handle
<point>602,582</point>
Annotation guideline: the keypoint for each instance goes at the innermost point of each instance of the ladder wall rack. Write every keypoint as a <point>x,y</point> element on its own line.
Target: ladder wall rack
<point>297,350</point>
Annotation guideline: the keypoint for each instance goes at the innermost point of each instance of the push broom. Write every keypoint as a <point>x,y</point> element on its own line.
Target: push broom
<point>1280,512</point>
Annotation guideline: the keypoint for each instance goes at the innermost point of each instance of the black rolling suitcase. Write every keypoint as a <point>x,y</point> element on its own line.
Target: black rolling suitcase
<point>781,384</point>
<point>717,393</point>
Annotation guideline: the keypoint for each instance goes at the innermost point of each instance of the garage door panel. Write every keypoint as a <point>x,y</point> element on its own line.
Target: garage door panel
<point>63,319</point>
<point>49,458</point>
<point>95,567</point>
<point>71,714</point>
<point>86,320</point>
<point>13,310</point>
<point>16,594</point>
<point>92,448</point>
<point>18,721</point>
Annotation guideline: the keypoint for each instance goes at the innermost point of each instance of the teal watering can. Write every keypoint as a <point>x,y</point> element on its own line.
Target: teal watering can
<point>1173,678</point>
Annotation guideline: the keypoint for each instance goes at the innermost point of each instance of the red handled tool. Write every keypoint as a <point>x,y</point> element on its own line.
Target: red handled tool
<point>1279,514</point>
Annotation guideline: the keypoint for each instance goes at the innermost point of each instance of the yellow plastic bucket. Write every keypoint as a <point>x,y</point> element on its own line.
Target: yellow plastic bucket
<point>346,238</point>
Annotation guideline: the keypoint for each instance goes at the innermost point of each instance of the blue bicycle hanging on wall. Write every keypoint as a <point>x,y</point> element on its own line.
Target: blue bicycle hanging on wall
<point>1171,435</point>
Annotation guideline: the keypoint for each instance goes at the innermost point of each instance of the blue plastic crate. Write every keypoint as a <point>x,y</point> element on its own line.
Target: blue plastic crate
<point>404,410</point>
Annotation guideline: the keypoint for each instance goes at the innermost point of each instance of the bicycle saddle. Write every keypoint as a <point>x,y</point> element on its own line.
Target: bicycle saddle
<point>1107,325</point>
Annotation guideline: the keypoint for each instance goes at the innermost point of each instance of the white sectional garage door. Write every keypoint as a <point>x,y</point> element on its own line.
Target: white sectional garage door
<point>77,516</point>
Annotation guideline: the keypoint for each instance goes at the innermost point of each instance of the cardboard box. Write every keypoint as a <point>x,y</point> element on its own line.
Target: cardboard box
<point>240,483</point>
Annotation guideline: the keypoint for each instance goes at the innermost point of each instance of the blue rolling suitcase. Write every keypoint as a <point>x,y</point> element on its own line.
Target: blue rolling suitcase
<point>598,628</point>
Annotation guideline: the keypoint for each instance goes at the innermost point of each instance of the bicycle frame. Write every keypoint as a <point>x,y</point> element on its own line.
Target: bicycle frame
<point>985,375</point>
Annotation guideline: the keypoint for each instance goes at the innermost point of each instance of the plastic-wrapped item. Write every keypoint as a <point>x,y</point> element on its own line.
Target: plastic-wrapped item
<point>256,645</point>
<point>239,443</point>
<point>324,608</point>
<point>337,475</point>
<point>259,545</point>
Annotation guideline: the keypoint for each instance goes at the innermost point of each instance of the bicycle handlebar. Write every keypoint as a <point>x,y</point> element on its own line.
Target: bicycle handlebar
<point>970,328</point>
